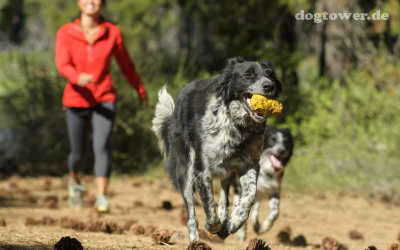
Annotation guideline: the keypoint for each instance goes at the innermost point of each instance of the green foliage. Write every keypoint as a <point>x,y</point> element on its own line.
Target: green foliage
<point>53,14</point>
<point>392,25</point>
<point>348,135</point>
<point>31,97</point>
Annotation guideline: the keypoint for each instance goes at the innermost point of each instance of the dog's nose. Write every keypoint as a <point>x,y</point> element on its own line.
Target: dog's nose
<point>268,86</point>
<point>281,151</point>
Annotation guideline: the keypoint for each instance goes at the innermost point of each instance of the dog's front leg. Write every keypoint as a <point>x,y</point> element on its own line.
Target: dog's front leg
<point>223,202</point>
<point>270,219</point>
<point>240,213</point>
<point>241,233</point>
<point>205,187</point>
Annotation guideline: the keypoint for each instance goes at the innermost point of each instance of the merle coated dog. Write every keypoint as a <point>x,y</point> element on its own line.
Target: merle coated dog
<point>278,149</point>
<point>212,132</point>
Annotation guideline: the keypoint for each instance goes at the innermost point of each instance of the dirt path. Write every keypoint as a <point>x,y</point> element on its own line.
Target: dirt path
<point>309,216</point>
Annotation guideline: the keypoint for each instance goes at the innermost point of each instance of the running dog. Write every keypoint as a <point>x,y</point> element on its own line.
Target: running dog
<point>212,132</point>
<point>278,148</point>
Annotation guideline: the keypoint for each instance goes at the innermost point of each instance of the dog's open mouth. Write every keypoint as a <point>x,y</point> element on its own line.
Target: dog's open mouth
<point>256,116</point>
<point>276,162</point>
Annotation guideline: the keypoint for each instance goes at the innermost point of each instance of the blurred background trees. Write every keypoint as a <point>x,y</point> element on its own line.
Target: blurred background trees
<point>340,77</point>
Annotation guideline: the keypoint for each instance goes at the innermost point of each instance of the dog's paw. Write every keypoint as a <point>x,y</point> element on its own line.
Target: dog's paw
<point>213,226</point>
<point>223,233</point>
<point>256,227</point>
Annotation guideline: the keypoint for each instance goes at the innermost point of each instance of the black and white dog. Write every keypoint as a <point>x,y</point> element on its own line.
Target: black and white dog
<point>278,148</point>
<point>211,131</point>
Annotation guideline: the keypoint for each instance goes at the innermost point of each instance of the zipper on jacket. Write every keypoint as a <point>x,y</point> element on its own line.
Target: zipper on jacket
<point>90,49</point>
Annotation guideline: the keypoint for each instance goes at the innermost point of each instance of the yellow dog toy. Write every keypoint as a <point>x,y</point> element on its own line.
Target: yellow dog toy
<point>264,105</point>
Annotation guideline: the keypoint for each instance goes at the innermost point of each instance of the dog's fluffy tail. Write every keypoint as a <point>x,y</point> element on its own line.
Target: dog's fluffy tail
<point>164,110</point>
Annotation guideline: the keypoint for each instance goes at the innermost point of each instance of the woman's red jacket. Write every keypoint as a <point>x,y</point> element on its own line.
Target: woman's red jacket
<point>75,56</point>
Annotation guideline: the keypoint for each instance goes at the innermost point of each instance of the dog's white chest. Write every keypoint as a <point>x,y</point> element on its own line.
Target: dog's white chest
<point>267,186</point>
<point>221,144</point>
<point>268,182</point>
<point>220,137</point>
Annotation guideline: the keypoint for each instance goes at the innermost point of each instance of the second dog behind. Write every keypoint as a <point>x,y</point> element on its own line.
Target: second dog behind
<point>278,149</point>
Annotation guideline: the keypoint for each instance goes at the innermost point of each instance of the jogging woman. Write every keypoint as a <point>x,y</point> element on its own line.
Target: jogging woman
<point>84,49</point>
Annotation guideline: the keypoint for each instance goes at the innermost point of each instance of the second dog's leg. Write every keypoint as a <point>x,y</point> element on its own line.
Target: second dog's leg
<point>240,213</point>
<point>223,202</point>
<point>254,216</point>
<point>273,215</point>
<point>205,188</point>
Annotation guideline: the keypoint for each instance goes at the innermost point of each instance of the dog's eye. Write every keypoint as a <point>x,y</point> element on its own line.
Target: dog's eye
<point>272,140</point>
<point>249,75</point>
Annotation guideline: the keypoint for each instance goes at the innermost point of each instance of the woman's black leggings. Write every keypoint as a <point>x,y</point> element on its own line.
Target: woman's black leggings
<point>78,123</point>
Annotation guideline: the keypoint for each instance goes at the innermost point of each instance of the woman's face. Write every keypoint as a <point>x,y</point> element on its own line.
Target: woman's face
<point>90,7</point>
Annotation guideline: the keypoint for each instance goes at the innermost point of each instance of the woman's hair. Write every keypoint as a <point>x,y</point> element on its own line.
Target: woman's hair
<point>103,2</point>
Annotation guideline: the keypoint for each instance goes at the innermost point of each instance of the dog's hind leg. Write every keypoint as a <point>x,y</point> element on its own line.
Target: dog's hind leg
<point>240,213</point>
<point>205,187</point>
<point>192,223</point>
<point>187,191</point>
<point>270,219</point>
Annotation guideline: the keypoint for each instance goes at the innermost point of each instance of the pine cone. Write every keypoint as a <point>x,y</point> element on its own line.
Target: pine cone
<point>330,243</point>
<point>256,244</point>
<point>299,241</point>
<point>355,235</point>
<point>394,246</point>
<point>198,245</point>
<point>67,243</point>
<point>161,236</point>
<point>136,229</point>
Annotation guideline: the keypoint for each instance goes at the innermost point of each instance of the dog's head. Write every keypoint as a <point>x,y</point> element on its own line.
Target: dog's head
<point>240,80</point>
<point>278,143</point>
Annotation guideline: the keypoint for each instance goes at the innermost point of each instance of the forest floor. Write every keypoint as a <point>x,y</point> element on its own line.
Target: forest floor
<point>141,199</point>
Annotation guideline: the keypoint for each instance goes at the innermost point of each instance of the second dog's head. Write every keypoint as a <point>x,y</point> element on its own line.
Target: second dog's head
<point>240,80</point>
<point>278,144</point>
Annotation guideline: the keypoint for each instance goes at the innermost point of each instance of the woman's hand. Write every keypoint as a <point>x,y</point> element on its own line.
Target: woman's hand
<point>84,79</point>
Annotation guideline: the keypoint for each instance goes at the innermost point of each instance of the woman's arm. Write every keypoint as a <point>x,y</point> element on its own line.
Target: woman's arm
<point>63,59</point>
<point>127,67</point>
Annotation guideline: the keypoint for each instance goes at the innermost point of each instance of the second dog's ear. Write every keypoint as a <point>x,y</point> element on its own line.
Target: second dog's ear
<point>232,61</point>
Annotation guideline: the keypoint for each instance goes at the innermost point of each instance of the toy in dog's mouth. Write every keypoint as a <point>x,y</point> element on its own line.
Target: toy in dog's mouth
<point>260,106</point>
<point>256,116</point>
<point>276,162</point>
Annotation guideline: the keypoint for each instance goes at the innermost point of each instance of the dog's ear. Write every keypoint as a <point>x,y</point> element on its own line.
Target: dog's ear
<point>268,130</point>
<point>232,61</point>
<point>225,76</point>
<point>266,64</point>
<point>286,132</point>
<point>269,127</point>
